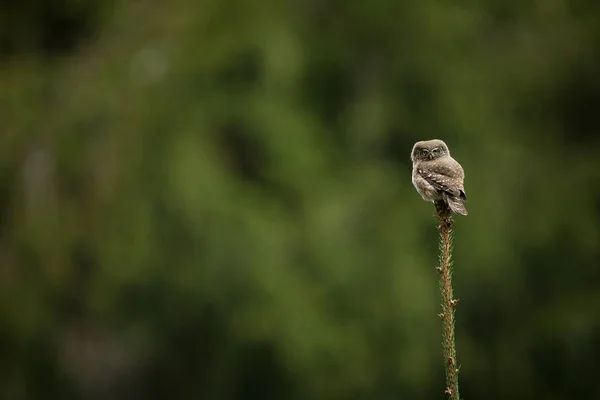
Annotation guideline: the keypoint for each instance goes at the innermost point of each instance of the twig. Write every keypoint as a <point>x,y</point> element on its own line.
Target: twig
<point>444,216</point>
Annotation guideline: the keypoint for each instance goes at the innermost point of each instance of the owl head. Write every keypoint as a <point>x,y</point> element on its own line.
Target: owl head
<point>429,150</point>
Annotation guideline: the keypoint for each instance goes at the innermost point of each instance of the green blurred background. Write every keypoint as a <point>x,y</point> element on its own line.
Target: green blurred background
<point>212,199</point>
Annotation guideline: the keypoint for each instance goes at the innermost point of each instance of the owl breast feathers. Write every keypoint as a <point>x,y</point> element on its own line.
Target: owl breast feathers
<point>437,176</point>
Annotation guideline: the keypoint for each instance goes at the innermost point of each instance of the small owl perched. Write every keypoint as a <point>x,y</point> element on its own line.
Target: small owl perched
<point>437,176</point>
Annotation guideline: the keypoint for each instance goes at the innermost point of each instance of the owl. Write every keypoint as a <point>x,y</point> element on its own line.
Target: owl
<point>437,176</point>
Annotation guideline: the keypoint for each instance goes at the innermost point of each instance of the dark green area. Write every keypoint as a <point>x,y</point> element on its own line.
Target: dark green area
<point>212,200</point>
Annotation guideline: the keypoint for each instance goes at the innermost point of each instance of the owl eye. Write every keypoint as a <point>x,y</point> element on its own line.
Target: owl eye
<point>424,152</point>
<point>435,152</point>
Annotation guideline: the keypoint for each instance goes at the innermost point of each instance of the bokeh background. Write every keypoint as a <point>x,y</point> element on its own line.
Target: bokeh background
<point>212,199</point>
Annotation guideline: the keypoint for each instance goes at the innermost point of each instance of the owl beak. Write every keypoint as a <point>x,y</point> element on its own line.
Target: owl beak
<point>430,156</point>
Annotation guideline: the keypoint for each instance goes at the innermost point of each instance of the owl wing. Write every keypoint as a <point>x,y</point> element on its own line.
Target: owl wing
<point>444,183</point>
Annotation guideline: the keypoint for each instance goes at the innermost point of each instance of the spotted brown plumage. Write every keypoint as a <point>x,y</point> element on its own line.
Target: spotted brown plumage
<point>437,176</point>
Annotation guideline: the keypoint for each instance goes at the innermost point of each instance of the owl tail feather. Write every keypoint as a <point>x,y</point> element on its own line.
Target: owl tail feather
<point>456,205</point>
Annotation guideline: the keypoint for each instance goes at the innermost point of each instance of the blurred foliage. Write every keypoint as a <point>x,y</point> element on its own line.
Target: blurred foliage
<point>213,200</point>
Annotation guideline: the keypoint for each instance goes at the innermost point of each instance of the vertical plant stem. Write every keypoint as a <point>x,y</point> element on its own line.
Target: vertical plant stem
<point>444,216</point>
